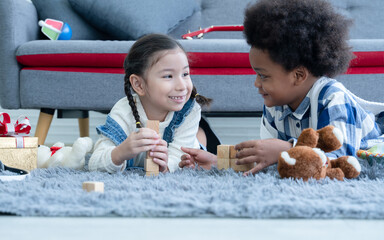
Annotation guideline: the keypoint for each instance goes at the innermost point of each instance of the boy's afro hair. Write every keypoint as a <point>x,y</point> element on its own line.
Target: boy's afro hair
<point>297,33</point>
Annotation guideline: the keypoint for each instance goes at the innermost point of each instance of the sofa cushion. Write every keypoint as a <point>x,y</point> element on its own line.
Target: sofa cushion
<point>225,54</point>
<point>131,19</point>
<point>228,53</point>
<point>61,10</point>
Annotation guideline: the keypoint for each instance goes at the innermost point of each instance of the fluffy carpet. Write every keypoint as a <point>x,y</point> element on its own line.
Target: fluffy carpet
<point>189,193</point>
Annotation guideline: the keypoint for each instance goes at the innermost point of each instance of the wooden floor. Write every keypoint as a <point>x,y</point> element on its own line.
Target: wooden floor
<point>186,228</point>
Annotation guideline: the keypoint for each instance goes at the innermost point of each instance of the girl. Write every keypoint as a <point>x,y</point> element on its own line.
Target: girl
<point>157,70</point>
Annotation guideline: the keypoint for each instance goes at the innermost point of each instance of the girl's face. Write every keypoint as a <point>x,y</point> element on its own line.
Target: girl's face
<point>167,85</point>
<point>275,84</point>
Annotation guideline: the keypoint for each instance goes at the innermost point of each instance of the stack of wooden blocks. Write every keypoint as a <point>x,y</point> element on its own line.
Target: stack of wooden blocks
<point>226,158</point>
<point>151,168</point>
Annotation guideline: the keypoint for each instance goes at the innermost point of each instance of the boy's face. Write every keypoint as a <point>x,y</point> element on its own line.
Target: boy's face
<point>275,84</point>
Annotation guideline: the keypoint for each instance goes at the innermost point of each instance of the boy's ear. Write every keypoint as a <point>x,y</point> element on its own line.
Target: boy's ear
<point>137,84</point>
<point>301,74</point>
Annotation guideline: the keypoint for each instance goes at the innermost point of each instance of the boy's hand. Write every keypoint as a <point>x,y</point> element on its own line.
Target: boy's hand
<point>263,152</point>
<point>159,155</point>
<point>202,158</point>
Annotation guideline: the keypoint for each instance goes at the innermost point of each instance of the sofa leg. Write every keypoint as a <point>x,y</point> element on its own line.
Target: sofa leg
<point>84,127</point>
<point>81,115</point>
<point>43,124</point>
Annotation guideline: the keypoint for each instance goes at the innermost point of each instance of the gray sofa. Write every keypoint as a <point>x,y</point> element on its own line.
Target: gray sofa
<point>85,73</point>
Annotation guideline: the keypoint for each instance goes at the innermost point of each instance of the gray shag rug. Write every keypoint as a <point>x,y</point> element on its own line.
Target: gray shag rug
<point>188,193</point>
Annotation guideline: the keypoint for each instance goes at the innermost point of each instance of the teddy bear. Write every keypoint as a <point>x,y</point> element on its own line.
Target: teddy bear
<point>307,158</point>
<point>65,156</point>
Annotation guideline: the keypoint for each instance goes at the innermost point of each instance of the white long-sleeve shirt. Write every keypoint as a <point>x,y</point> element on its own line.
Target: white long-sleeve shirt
<point>185,135</point>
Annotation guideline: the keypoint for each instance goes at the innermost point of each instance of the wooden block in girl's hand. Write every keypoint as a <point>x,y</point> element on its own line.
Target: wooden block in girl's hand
<point>149,165</point>
<point>154,125</point>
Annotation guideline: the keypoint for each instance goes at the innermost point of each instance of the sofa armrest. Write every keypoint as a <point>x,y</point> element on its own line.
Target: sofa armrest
<point>18,24</point>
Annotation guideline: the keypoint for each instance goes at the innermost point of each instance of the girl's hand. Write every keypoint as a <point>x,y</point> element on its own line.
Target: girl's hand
<point>159,155</point>
<point>143,140</point>
<point>202,158</point>
<point>263,152</point>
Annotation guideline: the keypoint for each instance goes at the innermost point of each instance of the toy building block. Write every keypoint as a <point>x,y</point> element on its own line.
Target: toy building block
<point>151,168</point>
<point>233,159</point>
<point>93,186</point>
<point>226,158</point>
<point>223,157</point>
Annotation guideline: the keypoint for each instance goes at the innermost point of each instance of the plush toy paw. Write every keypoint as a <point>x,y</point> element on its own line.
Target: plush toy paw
<point>60,155</point>
<point>348,164</point>
<point>308,160</point>
<point>335,173</point>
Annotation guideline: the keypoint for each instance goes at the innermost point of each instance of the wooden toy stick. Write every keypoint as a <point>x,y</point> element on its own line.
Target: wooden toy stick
<point>151,168</point>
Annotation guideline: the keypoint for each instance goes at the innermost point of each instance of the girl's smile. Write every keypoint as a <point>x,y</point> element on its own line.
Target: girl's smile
<point>178,99</point>
<point>167,85</point>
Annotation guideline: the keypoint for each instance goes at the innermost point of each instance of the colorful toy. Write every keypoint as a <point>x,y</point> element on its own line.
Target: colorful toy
<point>374,154</point>
<point>55,30</point>
<point>59,155</point>
<point>308,160</point>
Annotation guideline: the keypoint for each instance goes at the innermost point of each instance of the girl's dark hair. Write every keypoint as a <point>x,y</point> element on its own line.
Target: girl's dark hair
<point>141,56</point>
<point>297,33</point>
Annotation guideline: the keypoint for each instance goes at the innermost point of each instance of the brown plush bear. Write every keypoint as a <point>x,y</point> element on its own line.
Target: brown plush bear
<point>308,160</point>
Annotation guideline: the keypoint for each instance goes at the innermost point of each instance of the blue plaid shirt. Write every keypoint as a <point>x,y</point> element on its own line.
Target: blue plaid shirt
<point>328,103</point>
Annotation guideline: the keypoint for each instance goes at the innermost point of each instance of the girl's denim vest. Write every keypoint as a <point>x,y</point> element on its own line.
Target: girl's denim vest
<point>113,130</point>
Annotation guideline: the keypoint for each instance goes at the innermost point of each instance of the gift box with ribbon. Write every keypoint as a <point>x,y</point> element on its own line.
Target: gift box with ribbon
<point>17,149</point>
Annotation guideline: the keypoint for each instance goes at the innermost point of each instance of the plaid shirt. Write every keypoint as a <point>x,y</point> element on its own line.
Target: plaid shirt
<point>328,103</point>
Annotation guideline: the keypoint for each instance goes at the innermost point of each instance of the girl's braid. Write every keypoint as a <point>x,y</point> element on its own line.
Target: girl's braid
<point>127,88</point>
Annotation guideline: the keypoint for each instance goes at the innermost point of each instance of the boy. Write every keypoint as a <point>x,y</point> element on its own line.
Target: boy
<point>297,46</point>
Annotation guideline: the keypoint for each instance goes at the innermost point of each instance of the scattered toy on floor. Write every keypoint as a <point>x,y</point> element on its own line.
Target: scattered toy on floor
<point>93,186</point>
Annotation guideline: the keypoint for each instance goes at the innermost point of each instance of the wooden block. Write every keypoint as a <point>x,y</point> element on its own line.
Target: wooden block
<point>151,168</point>
<point>151,174</point>
<point>223,163</point>
<point>240,168</point>
<point>93,186</point>
<point>223,151</point>
<point>23,158</point>
<point>154,125</point>
<point>232,152</point>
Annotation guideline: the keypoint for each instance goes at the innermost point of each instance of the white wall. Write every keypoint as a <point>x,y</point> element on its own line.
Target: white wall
<point>229,130</point>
